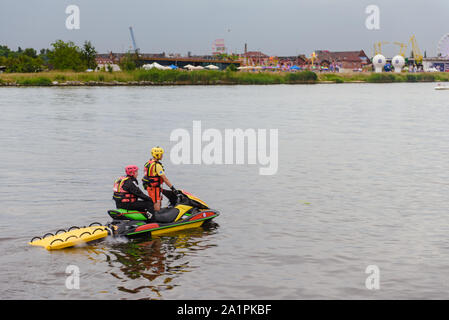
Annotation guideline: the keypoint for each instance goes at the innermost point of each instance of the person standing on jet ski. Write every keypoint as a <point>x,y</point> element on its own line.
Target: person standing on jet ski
<point>154,177</point>
<point>127,192</point>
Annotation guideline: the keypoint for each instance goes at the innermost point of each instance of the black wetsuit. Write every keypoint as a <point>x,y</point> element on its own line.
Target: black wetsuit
<point>131,186</point>
<point>171,196</point>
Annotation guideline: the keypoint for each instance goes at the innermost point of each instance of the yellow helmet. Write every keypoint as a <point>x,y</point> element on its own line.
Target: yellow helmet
<point>157,152</point>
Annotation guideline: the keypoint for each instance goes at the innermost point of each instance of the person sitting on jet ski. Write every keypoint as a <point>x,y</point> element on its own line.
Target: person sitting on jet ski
<point>127,192</point>
<point>154,177</point>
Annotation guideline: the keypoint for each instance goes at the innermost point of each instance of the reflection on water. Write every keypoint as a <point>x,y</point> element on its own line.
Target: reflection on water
<point>362,180</point>
<point>165,257</point>
<point>120,268</point>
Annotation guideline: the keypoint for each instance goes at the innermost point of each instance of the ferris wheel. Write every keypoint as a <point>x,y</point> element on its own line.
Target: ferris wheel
<point>443,46</point>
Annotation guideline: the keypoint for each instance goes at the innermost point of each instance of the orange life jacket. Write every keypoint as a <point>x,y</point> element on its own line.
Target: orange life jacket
<point>151,179</point>
<point>121,194</point>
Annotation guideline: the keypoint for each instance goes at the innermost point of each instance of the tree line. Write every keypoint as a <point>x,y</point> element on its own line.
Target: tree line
<point>61,56</point>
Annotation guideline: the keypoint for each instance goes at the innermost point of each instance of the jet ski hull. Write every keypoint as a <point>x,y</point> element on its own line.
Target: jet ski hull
<point>131,229</point>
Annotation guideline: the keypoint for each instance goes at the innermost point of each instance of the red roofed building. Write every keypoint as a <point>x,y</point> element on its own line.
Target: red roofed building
<point>343,61</point>
<point>106,60</point>
<point>101,60</point>
<point>288,61</point>
<point>255,58</point>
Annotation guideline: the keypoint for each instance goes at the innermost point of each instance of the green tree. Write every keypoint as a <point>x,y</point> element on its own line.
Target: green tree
<point>20,61</point>
<point>4,51</point>
<point>30,52</point>
<point>128,62</point>
<point>3,60</point>
<point>231,67</point>
<point>43,54</point>
<point>89,54</point>
<point>66,56</point>
<point>23,63</point>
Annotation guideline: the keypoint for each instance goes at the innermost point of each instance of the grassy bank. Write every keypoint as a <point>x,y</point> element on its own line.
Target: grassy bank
<point>155,77</point>
<point>206,77</point>
<point>383,77</point>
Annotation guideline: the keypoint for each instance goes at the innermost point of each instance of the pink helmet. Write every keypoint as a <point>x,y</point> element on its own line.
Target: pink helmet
<point>131,170</point>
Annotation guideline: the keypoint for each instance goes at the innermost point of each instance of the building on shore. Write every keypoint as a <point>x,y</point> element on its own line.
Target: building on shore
<point>258,58</point>
<point>105,58</point>
<point>290,61</point>
<point>324,60</point>
<point>436,64</point>
<point>104,62</point>
<point>255,58</point>
<point>195,61</point>
<point>342,61</point>
<point>113,59</point>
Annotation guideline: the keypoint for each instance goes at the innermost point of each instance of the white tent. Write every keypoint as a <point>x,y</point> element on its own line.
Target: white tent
<point>190,67</point>
<point>160,67</point>
<point>147,66</point>
<point>212,67</point>
<point>156,66</point>
<point>249,67</point>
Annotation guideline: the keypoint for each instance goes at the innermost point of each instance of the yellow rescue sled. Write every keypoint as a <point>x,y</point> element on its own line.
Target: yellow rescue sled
<point>71,237</point>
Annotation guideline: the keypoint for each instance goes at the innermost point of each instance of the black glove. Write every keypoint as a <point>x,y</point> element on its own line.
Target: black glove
<point>175,191</point>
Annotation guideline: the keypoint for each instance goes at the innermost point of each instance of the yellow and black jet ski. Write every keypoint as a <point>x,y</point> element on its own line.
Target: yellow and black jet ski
<point>189,212</point>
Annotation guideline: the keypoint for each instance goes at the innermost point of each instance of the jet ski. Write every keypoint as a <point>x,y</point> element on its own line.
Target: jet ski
<point>189,212</point>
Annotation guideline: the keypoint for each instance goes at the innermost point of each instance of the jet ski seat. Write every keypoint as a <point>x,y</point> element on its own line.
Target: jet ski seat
<point>166,215</point>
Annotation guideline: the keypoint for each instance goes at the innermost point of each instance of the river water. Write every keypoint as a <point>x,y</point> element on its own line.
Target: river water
<point>362,180</point>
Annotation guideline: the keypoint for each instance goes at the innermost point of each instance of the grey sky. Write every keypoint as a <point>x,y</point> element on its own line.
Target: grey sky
<point>281,27</point>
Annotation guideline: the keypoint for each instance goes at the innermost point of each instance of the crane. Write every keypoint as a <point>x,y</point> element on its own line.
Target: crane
<point>403,48</point>
<point>136,50</point>
<point>313,57</point>
<point>415,50</point>
<point>378,47</point>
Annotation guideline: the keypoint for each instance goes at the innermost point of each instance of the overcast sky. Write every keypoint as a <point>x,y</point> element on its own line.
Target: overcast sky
<point>281,27</point>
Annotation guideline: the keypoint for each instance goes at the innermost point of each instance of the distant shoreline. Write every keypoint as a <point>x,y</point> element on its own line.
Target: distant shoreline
<point>205,77</point>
